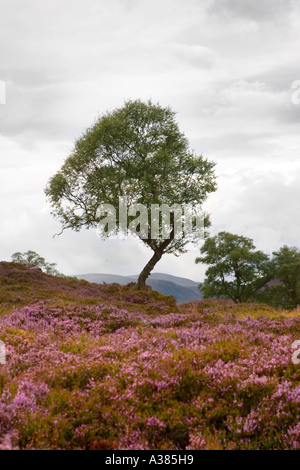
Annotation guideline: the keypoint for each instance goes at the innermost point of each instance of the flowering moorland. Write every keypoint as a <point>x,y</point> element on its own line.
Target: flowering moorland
<point>107,367</point>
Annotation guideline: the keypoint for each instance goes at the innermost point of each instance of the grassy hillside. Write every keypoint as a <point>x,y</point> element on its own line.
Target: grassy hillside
<point>184,290</point>
<point>20,286</point>
<point>106,367</point>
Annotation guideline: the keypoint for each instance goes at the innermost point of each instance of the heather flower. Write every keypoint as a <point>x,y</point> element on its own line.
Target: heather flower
<point>112,374</point>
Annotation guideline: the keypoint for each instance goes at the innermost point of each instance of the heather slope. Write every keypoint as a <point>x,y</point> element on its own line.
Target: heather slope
<point>182,289</point>
<point>106,367</point>
<point>20,286</point>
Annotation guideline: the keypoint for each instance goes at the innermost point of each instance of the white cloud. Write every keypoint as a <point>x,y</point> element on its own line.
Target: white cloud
<point>226,67</point>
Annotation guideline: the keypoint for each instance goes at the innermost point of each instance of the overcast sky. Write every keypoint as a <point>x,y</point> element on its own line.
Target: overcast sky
<point>225,66</point>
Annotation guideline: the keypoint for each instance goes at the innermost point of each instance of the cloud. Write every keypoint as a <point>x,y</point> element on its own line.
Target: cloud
<point>265,205</point>
<point>225,67</point>
<point>264,10</point>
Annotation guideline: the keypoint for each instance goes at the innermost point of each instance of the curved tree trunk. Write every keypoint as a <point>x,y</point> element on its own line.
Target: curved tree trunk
<point>141,283</point>
<point>159,250</point>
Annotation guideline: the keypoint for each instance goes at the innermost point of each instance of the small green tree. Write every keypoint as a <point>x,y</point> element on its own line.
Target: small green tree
<point>236,270</point>
<point>284,290</point>
<point>34,260</point>
<point>136,152</point>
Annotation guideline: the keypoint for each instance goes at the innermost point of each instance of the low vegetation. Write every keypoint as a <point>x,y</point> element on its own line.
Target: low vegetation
<point>107,367</point>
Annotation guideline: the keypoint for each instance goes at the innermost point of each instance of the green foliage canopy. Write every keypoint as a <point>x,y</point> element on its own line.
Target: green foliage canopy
<point>34,260</point>
<point>285,290</point>
<point>236,270</point>
<point>138,152</point>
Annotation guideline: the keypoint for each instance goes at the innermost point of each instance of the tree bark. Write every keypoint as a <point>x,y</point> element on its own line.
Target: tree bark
<point>158,252</point>
<point>141,283</point>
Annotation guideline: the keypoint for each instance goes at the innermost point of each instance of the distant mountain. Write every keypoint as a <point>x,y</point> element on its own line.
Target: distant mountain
<point>107,278</point>
<point>181,281</point>
<point>183,289</point>
<point>181,293</point>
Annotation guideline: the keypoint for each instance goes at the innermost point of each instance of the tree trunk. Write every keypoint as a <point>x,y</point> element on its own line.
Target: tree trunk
<point>141,283</point>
